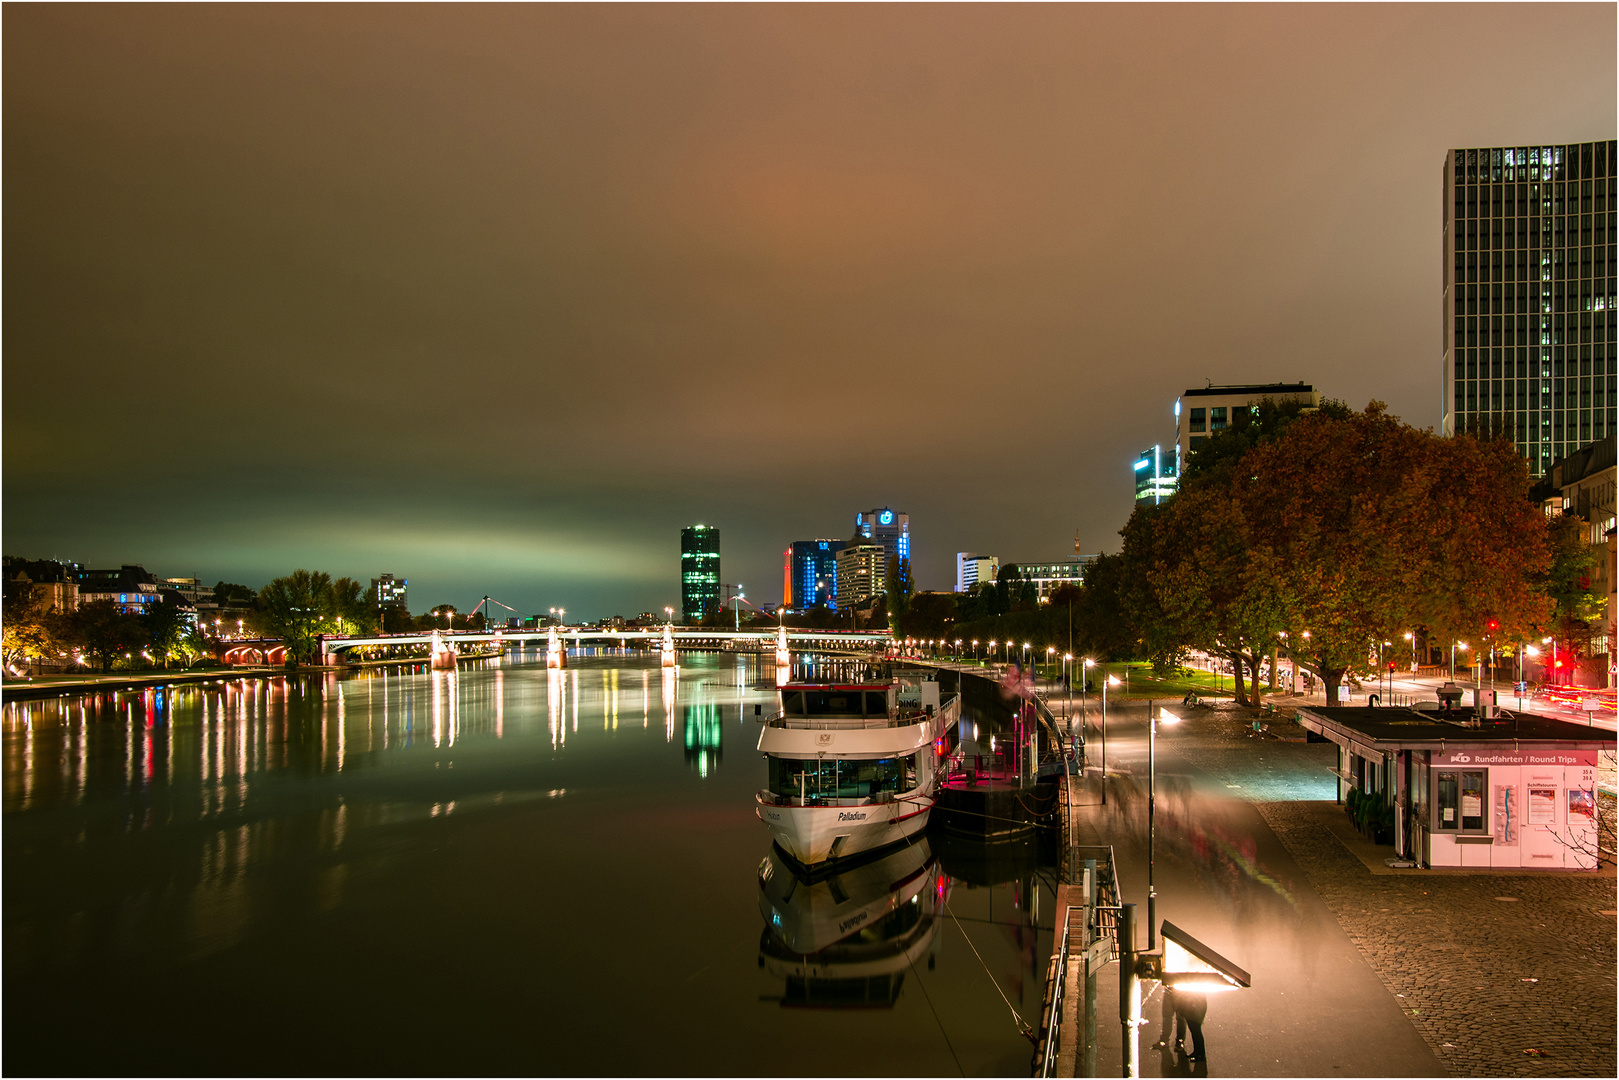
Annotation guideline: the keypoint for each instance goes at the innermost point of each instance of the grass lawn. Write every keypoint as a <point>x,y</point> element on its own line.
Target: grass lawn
<point>1142,683</point>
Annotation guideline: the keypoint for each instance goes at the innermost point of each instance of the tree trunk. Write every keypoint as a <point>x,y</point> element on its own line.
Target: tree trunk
<point>1273,667</point>
<point>1236,659</point>
<point>1253,669</point>
<point>1332,678</point>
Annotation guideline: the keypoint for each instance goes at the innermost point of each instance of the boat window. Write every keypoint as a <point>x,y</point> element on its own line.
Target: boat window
<point>831,778</point>
<point>876,704</point>
<point>792,703</point>
<point>831,703</point>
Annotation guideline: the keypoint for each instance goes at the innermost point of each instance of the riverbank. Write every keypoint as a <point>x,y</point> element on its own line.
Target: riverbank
<point>44,686</point>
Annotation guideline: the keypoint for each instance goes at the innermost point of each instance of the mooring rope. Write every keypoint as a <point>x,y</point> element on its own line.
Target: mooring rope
<point>1017,1018</point>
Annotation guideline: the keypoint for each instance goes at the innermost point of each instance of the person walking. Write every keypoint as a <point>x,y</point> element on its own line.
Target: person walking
<point>1190,1009</point>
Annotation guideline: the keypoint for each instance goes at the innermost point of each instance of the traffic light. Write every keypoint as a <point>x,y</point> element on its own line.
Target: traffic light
<point>1493,625</point>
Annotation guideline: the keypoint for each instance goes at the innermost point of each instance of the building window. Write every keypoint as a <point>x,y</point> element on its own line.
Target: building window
<point>1196,423</point>
<point>1459,801</point>
<point>1217,418</point>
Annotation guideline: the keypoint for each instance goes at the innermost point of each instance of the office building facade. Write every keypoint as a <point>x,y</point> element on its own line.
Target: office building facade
<point>862,574</point>
<point>391,592</point>
<point>1155,475</point>
<point>1201,413</point>
<point>1048,577</point>
<point>812,571</point>
<point>699,572</point>
<point>887,527</point>
<point>1529,296</point>
<point>972,569</point>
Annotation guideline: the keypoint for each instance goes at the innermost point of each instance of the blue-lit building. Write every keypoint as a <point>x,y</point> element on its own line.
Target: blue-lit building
<point>699,572</point>
<point>887,527</point>
<point>812,570</point>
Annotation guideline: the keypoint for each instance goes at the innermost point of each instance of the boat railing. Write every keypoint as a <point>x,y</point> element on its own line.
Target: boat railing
<point>844,723</point>
<point>772,799</point>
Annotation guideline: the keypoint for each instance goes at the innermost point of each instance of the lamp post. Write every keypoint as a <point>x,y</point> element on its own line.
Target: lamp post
<point>991,650</point>
<point>1068,686</point>
<point>1111,680</point>
<point>1050,651</point>
<point>1167,717</point>
<point>975,650</point>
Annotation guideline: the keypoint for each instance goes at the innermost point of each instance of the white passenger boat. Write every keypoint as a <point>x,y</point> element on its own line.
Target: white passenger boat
<point>855,767</point>
<point>847,939</point>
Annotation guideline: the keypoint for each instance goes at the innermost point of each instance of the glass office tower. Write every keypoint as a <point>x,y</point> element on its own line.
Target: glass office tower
<point>1529,237</point>
<point>699,572</point>
<point>813,570</point>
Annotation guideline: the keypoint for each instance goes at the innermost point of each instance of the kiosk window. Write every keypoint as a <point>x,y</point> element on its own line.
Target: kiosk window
<point>1459,801</point>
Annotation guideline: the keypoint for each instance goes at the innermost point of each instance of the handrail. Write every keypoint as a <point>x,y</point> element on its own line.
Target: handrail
<point>1054,1021</point>
<point>1100,923</point>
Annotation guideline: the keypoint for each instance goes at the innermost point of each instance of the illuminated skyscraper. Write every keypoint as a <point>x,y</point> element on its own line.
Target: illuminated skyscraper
<point>812,570</point>
<point>1529,295</point>
<point>699,571</point>
<point>886,527</point>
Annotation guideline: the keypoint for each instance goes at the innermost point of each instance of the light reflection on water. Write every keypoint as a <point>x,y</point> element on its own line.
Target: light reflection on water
<point>399,831</point>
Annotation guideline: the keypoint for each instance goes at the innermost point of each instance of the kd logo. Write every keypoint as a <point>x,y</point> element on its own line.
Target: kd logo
<point>824,739</point>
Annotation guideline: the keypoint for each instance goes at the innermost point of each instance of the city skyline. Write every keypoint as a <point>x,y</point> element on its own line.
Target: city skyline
<point>501,299</point>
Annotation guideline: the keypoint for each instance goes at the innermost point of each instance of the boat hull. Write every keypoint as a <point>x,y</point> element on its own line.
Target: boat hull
<point>814,834</point>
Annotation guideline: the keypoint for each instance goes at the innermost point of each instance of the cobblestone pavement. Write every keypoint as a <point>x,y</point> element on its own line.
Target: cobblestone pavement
<point>1503,974</point>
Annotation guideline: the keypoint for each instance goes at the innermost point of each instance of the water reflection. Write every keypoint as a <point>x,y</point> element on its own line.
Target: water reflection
<point>848,939</point>
<point>704,736</point>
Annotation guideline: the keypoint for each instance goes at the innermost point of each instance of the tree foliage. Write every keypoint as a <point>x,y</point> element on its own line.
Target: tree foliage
<point>1351,526</point>
<point>104,632</point>
<point>305,604</point>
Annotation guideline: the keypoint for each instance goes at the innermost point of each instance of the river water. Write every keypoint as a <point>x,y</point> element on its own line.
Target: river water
<point>493,871</point>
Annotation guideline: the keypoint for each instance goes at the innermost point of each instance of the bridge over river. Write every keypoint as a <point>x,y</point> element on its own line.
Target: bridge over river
<point>682,639</point>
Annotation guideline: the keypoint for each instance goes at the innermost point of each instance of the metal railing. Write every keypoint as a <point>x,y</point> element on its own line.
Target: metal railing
<point>1082,926</point>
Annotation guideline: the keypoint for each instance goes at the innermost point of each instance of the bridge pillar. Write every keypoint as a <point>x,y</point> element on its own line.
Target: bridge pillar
<point>556,656</point>
<point>783,659</point>
<point>667,650</point>
<point>443,654</point>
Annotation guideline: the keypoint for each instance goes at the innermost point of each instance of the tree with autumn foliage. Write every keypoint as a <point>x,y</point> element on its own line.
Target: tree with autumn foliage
<point>1351,526</point>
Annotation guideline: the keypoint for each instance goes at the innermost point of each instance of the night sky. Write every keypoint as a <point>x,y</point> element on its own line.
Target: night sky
<point>499,298</point>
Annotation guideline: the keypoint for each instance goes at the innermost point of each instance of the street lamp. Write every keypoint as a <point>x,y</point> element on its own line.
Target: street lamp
<point>1166,717</point>
<point>670,613</point>
<point>1454,645</point>
<point>1111,680</point>
<point>1050,649</point>
<point>975,649</point>
<point>992,650</point>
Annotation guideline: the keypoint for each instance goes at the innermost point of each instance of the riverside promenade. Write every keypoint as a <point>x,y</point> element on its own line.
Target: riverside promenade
<point>1389,972</point>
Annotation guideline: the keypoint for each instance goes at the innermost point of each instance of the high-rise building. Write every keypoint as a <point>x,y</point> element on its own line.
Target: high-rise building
<point>1529,295</point>
<point>812,570</point>
<point>971,569</point>
<point>890,529</point>
<point>1200,413</point>
<point>862,574</point>
<point>699,571</point>
<point>1155,477</point>
<point>391,592</point>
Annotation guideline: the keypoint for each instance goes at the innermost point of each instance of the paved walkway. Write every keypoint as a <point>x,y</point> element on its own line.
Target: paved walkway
<point>1503,974</point>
